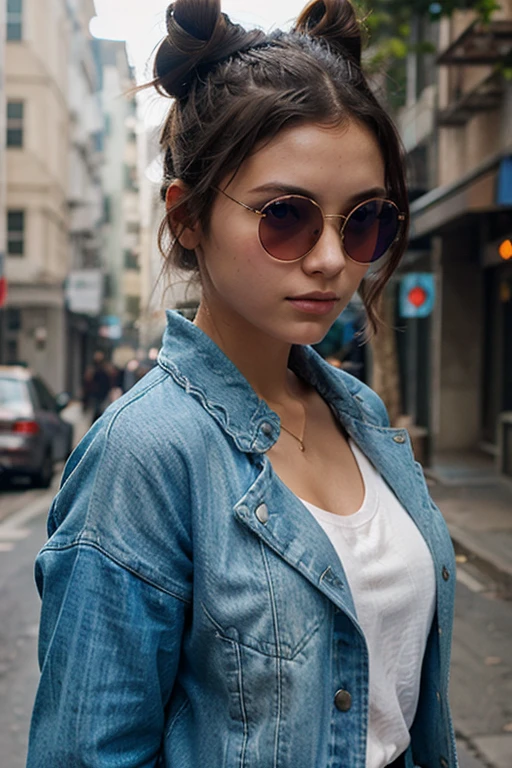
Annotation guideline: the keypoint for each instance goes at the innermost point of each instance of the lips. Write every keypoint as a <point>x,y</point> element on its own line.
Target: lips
<point>315,296</point>
<point>315,303</point>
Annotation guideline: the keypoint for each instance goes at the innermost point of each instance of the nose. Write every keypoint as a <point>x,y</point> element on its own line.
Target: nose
<point>328,256</point>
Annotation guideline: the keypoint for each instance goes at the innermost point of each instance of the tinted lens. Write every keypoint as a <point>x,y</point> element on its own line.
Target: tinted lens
<point>291,227</point>
<point>370,229</point>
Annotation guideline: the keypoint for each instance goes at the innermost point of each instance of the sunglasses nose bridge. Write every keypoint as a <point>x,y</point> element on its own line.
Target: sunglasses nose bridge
<point>342,221</point>
<point>328,254</point>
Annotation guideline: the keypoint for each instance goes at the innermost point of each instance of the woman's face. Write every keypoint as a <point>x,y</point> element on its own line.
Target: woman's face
<point>244,289</point>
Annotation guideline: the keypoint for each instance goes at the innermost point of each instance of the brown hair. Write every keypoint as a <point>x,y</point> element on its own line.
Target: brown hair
<point>234,88</point>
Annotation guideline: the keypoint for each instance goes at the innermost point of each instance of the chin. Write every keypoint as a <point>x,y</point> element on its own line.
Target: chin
<point>307,336</point>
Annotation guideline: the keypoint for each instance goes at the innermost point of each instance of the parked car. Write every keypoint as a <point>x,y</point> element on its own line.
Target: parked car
<point>33,436</point>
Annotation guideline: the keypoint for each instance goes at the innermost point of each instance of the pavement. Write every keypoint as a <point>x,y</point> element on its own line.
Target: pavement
<point>476,503</point>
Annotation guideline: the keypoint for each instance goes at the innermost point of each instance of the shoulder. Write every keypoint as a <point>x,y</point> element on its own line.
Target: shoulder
<point>136,457</point>
<point>369,401</point>
<point>352,396</point>
<point>126,488</point>
<point>156,417</point>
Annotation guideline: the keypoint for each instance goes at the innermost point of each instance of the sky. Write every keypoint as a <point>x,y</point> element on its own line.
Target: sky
<point>142,22</point>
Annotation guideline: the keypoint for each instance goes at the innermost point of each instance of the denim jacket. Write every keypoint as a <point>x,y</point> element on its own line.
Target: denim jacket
<point>193,612</point>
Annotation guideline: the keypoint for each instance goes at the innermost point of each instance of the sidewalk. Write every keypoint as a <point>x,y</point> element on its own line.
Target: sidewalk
<point>477,506</point>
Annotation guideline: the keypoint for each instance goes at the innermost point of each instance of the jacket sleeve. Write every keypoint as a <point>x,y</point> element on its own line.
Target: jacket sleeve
<point>109,650</point>
<point>115,581</point>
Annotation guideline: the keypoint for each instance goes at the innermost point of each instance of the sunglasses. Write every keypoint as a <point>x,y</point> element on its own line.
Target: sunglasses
<point>291,225</point>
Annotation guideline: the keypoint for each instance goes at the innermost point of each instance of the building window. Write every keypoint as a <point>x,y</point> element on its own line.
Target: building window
<point>131,260</point>
<point>13,318</point>
<point>14,19</point>
<point>15,116</point>
<point>132,306</point>
<point>15,233</point>
<point>133,228</point>
<point>130,178</point>
<point>11,352</point>
<point>107,209</point>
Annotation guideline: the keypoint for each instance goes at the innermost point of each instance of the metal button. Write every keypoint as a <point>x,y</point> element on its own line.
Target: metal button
<point>266,428</point>
<point>399,439</point>
<point>446,573</point>
<point>438,696</point>
<point>262,513</point>
<point>444,762</point>
<point>343,700</point>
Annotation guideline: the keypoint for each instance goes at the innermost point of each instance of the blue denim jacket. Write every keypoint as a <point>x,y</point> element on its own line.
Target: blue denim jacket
<point>193,612</point>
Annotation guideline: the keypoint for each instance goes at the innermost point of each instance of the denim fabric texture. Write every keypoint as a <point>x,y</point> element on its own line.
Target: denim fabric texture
<point>193,612</point>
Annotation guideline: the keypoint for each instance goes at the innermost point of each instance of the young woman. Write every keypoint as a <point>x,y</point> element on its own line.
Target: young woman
<point>245,568</point>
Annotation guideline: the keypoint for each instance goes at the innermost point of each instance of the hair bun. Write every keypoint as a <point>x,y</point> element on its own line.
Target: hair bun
<point>198,35</point>
<point>335,21</point>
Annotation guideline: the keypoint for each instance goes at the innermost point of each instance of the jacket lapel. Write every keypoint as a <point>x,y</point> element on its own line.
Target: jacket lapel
<point>288,528</point>
<point>293,533</point>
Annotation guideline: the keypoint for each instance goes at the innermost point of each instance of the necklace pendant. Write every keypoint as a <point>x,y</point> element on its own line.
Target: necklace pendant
<point>301,446</point>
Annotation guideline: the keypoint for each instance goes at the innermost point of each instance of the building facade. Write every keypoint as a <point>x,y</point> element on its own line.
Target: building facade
<point>34,328</point>
<point>120,179</point>
<point>3,170</point>
<point>457,129</point>
<point>84,283</point>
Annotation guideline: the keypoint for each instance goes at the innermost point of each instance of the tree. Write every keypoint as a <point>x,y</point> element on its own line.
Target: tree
<point>389,26</point>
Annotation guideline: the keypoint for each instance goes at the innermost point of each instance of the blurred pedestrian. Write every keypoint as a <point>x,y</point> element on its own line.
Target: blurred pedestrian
<point>245,567</point>
<point>97,384</point>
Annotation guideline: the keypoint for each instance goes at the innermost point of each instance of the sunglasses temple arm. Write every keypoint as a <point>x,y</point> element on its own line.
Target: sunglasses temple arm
<point>247,207</point>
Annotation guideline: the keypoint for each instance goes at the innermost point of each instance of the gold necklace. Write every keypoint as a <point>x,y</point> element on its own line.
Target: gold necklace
<point>300,439</point>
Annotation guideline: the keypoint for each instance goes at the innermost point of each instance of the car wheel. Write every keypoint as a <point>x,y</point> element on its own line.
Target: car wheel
<point>43,478</point>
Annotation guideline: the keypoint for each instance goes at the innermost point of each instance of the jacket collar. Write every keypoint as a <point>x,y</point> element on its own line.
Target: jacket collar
<point>198,365</point>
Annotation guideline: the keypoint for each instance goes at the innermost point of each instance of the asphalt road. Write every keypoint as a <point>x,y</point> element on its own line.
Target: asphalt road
<point>481,690</point>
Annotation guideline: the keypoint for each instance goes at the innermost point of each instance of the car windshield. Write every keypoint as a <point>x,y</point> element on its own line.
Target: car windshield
<point>12,392</point>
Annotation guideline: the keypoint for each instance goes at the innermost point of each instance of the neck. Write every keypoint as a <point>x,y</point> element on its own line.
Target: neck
<point>263,361</point>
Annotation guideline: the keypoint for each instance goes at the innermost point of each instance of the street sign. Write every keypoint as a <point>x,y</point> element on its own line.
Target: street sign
<point>84,291</point>
<point>417,294</point>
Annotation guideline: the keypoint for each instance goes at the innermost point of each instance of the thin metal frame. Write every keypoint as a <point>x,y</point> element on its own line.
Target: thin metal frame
<point>262,214</point>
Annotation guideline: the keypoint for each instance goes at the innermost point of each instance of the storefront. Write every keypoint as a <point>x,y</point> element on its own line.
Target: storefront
<point>467,357</point>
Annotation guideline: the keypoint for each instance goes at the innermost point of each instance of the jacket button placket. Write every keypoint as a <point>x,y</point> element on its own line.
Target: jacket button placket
<point>262,514</point>
<point>343,700</point>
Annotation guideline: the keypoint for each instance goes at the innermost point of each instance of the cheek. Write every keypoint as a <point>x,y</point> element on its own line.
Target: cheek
<point>238,267</point>
<point>355,275</point>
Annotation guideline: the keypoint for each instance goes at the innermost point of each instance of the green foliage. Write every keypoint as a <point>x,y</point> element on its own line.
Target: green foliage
<point>388,25</point>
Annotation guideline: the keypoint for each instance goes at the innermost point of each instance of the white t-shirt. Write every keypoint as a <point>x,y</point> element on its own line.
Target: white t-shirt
<point>391,576</point>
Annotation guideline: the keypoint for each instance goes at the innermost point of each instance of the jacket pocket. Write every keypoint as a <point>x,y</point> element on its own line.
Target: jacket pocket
<point>277,616</point>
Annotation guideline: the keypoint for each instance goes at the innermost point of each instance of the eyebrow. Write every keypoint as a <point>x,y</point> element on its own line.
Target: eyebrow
<point>288,189</point>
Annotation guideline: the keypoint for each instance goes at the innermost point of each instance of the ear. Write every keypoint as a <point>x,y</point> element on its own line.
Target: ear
<point>187,233</point>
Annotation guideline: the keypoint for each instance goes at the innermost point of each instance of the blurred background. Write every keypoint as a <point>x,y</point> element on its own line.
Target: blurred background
<point>82,299</point>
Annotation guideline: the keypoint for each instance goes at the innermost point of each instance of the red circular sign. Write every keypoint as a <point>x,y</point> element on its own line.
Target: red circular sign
<point>417,296</point>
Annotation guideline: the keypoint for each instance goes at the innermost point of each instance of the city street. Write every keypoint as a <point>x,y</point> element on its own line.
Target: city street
<point>481,673</point>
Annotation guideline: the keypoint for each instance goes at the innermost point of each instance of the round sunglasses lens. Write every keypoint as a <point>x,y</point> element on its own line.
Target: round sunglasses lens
<point>370,230</point>
<point>290,228</point>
